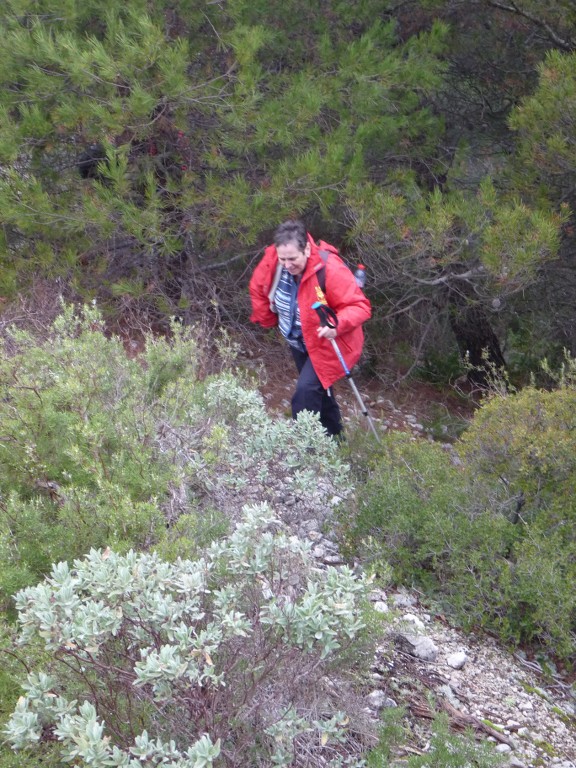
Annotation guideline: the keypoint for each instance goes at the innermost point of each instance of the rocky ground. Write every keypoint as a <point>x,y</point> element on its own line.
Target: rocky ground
<point>416,407</point>
<point>527,710</point>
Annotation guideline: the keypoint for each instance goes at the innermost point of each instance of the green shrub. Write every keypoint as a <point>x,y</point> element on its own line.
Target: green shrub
<point>491,532</point>
<point>80,464</point>
<point>99,450</point>
<point>441,367</point>
<point>445,749</point>
<point>526,443</point>
<point>184,664</point>
<point>406,508</point>
<point>12,666</point>
<point>450,750</point>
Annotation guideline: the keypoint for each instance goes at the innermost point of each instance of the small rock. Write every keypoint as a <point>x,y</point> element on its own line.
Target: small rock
<point>334,560</point>
<point>418,623</point>
<point>449,694</point>
<point>319,552</point>
<point>310,525</point>
<point>381,606</point>
<point>503,748</point>
<point>403,600</point>
<point>378,700</point>
<point>457,660</point>
<point>377,594</point>
<point>419,646</point>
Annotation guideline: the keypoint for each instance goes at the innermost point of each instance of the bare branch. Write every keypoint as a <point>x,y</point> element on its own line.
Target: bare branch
<point>512,7</point>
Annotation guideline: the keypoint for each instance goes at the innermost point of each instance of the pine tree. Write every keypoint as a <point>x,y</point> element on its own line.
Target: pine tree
<point>147,146</point>
<point>143,143</point>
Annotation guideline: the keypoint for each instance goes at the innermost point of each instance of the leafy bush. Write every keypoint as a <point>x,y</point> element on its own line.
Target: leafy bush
<point>98,450</point>
<point>491,531</point>
<point>406,510</point>
<point>79,459</point>
<point>526,444</point>
<point>195,662</point>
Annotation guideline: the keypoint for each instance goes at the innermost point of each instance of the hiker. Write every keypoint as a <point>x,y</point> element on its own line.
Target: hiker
<point>294,274</point>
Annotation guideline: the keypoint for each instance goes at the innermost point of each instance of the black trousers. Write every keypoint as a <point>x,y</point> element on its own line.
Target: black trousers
<point>310,395</point>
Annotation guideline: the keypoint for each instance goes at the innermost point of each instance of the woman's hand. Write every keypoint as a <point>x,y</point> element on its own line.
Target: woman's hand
<point>325,332</point>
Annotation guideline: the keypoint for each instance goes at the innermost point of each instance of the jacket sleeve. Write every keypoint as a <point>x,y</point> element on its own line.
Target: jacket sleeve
<point>259,288</point>
<point>345,297</point>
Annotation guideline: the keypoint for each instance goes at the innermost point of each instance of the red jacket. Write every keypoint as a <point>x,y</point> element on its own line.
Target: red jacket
<point>342,295</point>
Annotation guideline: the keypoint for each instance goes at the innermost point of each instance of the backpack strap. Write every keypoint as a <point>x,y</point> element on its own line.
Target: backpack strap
<point>321,274</point>
<point>273,287</point>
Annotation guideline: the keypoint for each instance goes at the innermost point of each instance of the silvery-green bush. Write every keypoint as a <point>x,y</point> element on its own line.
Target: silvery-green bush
<point>98,449</point>
<point>192,663</point>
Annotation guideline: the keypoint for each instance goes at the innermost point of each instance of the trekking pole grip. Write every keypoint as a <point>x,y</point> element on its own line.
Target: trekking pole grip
<point>326,315</point>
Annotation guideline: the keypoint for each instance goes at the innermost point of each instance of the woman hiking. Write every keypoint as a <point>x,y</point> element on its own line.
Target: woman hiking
<point>294,274</point>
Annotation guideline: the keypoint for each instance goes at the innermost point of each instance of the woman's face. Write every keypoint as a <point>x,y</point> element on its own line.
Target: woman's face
<point>292,258</point>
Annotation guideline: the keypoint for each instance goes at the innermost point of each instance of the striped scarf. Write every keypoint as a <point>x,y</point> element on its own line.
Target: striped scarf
<point>288,311</point>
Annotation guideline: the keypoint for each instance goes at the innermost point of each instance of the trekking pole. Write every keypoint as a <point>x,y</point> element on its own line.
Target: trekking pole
<point>328,318</point>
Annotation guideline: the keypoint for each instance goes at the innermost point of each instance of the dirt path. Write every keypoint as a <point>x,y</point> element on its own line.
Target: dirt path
<point>416,407</point>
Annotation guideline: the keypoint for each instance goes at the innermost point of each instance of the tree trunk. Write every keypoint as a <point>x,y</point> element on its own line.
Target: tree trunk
<point>477,342</point>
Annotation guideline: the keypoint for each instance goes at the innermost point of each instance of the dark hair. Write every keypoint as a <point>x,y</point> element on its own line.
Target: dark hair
<point>291,232</point>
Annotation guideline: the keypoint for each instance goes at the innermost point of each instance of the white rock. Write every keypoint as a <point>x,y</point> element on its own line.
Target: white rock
<point>422,647</point>
<point>457,660</point>
<point>376,699</point>
<point>334,560</point>
<point>319,552</point>
<point>449,694</point>
<point>377,594</point>
<point>381,606</point>
<point>410,617</point>
<point>379,700</point>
